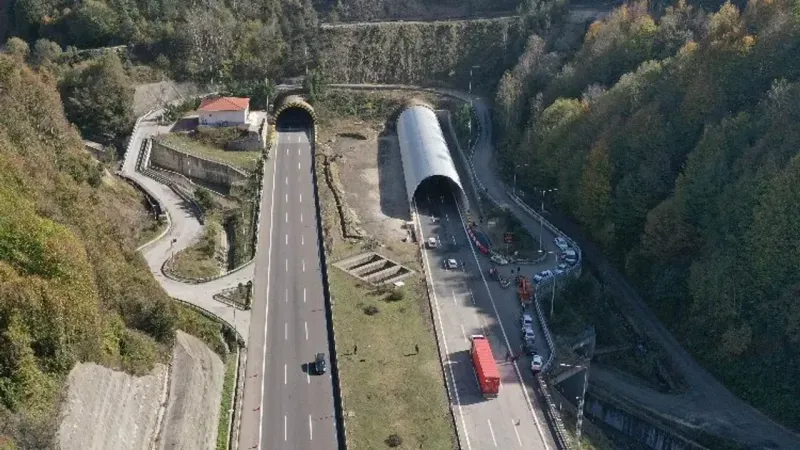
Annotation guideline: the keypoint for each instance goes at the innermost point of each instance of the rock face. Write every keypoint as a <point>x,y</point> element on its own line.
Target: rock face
<point>193,408</point>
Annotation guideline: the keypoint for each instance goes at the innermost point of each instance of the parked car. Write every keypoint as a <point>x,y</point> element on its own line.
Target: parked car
<point>527,328</point>
<point>538,278</point>
<point>562,267</point>
<point>529,335</point>
<point>536,364</point>
<point>561,243</point>
<point>527,320</point>
<point>432,242</point>
<point>558,272</point>
<point>320,366</point>
<point>569,256</point>
<point>450,264</point>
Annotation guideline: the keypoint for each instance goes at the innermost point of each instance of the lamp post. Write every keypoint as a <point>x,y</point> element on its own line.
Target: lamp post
<point>555,279</point>
<point>514,190</point>
<point>582,398</point>
<point>543,192</point>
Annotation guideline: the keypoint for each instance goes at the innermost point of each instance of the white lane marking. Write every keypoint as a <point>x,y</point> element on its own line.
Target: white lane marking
<point>503,330</point>
<point>310,429</point>
<point>303,261</point>
<point>285,372</point>
<point>266,313</point>
<point>286,297</point>
<point>304,295</point>
<point>472,297</point>
<point>286,331</point>
<point>305,325</point>
<point>286,239</point>
<point>301,217</point>
<point>454,241</point>
<point>287,198</point>
<point>301,198</point>
<point>298,151</point>
<point>302,240</point>
<point>298,166</point>
<point>455,300</point>
<point>446,360</point>
<point>286,218</point>
<point>287,265</point>
<point>308,376</point>
<point>491,431</point>
<point>298,140</point>
<point>514,426</point>
<point>285,432</point>
<point>463,333</point>
<point>286,181</point>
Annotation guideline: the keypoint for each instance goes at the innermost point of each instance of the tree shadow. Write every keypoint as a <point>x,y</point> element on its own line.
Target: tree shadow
<point>391,181</point>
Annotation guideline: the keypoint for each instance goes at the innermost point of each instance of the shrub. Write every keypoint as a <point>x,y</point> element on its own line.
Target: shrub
<point>371,310</point>
<point>396,296</point>
<point>394,440</point>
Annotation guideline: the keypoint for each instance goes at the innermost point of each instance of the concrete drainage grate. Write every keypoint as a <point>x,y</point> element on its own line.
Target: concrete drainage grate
<point>374,269</point>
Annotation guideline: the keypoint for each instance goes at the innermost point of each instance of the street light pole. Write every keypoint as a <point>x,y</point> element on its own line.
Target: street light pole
<point>541,216</point>
<point>553,297</point>
<point>582,398</point>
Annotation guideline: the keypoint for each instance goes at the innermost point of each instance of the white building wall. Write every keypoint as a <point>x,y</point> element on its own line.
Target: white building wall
<point>219,118</point>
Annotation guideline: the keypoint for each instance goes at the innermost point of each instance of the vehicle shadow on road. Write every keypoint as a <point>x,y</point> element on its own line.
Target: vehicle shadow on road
<point>466,383</point>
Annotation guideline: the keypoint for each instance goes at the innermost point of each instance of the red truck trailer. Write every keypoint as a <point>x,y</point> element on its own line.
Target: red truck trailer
<point>485,367</point>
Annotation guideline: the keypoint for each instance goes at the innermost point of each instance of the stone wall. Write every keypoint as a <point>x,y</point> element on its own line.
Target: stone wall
<point>195,167</point>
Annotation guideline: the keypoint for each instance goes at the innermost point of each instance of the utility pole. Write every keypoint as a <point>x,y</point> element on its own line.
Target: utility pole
<point>553,298</point>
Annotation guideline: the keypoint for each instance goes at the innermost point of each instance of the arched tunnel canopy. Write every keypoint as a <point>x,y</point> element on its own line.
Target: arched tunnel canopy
<point>424,153</point>
<point>294,111</point>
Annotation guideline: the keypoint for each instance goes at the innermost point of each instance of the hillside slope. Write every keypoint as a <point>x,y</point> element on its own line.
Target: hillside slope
<point>72,287</point>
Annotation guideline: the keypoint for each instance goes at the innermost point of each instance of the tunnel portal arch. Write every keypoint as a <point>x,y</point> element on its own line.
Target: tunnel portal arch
<point>293,110</point>
<point>424,153</point>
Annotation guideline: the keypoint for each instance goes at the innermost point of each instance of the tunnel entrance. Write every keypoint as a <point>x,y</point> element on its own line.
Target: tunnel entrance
<point>439,192</point>
<point>294,118</point>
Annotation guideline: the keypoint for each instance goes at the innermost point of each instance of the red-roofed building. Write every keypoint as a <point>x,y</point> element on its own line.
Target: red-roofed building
<point>223,111</point>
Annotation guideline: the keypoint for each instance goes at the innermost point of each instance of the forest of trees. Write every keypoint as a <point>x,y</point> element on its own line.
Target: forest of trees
<point>375,10</point>
<point>72,287</point>
<point>673,140</point>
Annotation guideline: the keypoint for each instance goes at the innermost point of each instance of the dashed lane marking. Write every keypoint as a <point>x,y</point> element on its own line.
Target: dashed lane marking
<point>491,431</point>
<point>514,426</point>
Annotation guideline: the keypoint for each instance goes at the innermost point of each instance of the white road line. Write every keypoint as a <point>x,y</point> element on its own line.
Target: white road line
<point>285,372</point>
<point>301,217</point>
<point>301,198</point>
<point>286,181</point>
<point>463,333</point>
<point>266,313</point>
<point>447,218</point>
<point>298,166</point>
<point>491,431</point>
<point>285,430</point>
<point>286,297</point>
<point>514,426</point>
<point>303,261</point>
<point>472,297</point>
<point>304,295</point>
<point>444,341</point>
<point>308,376</point>
<point>286,239</point>
<point>298,151</point>
<point>310,429</point>
<point>287,198</point>
<point>286,218</point>
<point>286,331</point>
<point>454,241</point>
<point>302,240</point>
<point>505,336</point>
<point>455,300</point>
<point>287,264</point>
<point>305,325</point>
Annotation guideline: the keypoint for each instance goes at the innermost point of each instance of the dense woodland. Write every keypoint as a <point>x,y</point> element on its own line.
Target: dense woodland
<point>673,141</point>
<point>375,10</point>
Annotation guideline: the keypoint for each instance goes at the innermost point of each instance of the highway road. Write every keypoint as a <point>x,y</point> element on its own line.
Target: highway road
<point>465,303</point>
<point>286,405</point>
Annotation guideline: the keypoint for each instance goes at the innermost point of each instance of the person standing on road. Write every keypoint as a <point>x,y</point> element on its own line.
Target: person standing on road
<point>355,349</point>
<point>416,348</point>
<point>508,355</point>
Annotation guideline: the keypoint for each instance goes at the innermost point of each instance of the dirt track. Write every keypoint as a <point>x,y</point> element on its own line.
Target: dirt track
<point>192,414</point>
<point>106,409</point>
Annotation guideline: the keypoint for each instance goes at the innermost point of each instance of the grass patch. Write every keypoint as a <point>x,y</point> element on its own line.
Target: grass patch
<point>522,242</point>
<point>228,391</point>
<point>151,231</point>
<point>244,160</point>
<point>202,327</point>
<point>391,389</point>
<point>202,259</point>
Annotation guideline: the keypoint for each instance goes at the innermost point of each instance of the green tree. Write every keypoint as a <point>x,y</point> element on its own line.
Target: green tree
<point>17,48</point>
<point>45,52</point>
<point>315,85</point>
<point>98,98</point>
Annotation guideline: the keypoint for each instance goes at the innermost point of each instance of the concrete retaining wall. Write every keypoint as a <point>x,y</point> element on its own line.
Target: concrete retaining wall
<point>195,167</point>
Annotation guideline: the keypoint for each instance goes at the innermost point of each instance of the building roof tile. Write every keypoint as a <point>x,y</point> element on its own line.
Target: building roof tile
<point>224,104</point>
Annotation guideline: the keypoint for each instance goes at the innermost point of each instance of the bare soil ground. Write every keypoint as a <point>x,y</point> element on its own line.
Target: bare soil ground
<point>192,415</point>
<point>107,409</point>
<point>372,177</point>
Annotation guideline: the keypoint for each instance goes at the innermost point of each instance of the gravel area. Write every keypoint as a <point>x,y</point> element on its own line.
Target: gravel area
<point>193,408</point>
<point>372,177</point>
<point>107,409</point>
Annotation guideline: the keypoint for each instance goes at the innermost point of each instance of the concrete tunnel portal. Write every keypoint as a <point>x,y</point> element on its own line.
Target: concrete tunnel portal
<point>293,113</point>
<point>428,167</point>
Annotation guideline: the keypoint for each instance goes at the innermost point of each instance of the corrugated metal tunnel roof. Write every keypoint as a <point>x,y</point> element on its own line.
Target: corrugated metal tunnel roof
<point>424,151</point>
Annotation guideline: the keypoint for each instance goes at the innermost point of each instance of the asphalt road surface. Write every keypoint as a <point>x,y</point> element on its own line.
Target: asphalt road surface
<point>287,405</point>
<point>464,304</point>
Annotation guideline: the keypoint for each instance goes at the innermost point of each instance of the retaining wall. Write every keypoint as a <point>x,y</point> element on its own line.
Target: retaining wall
<point>193,166</point>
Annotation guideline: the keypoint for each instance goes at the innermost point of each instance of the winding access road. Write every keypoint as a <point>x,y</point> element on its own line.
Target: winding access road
<point>286,404</point>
